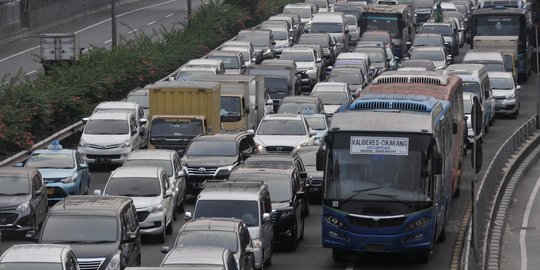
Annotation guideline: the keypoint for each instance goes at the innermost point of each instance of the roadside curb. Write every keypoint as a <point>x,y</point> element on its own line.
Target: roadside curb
<point>457,252</point>
<point>516,168</point>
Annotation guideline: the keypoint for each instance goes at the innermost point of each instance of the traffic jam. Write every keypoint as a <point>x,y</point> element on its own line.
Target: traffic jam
<point>360,107</point>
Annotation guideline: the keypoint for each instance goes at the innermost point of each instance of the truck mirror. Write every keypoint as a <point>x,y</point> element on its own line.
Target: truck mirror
<point>321,159</point>
<point>477,119</point>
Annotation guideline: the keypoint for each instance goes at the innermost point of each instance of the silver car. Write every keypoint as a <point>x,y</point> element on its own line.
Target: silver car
<point>505,92</point>
<point>34,256</point>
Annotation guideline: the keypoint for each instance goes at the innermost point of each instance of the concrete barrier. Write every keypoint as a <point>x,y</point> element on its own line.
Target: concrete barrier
<point>10,17</point>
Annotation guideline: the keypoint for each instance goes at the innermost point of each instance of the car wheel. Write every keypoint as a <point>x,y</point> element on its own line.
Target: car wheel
<point>170,228</point>
<point>339,256</point>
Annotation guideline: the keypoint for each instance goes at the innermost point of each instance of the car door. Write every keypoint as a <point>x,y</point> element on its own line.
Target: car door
<point>168,201</point>
<point>82,167</point>
<point>267,227</point>
<point>39,198</point>
<point>134,139</point>
<point>126,249</point>
<point>180,181</point>
<point>248,260</point>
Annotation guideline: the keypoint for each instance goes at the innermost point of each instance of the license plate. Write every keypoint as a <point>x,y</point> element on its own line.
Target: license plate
<point>50,192</point>
<point>375,247</point>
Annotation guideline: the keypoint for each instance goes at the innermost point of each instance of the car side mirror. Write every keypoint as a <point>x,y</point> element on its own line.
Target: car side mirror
<point>31,236</point>
<point>269,102</point>
<point>303,175</point>
<point>318,60</point>
<point>347,31</point>
<point>130,237</point>
<point>449,58</point>
<point>246,111</point>
<point>142,132</point>
<point>518,87</point>
<point>266,217</point>
<point>83,166</point>
<point>165,249</point>
<point>180,174</point>
<point>300,193</point>
<point>187,216</point>
<point>85,120</point>
<point>97,192</point>
<point>251,131</point>
<point>133,132</point>
<point>168,193</point>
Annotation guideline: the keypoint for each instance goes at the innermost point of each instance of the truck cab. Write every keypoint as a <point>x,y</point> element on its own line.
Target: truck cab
<point>175,132</point>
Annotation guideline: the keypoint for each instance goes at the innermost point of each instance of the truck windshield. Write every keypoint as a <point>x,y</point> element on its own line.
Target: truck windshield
<point>323,27</point>
<point>230,109</point>
<point>496,25</point>
<point>390,163</point>
<point>472,87</point>
<point>107,127</point>
<point>277,88</point>
<point>175,127</point>
<point>247,211</point>
<point>383,22</point>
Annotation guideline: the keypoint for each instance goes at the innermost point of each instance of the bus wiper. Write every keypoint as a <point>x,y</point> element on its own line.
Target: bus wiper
<point>393,197</point>
<point>358,191</point>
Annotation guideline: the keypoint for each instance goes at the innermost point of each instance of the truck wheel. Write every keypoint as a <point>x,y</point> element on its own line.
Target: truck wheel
<point>339,256</point>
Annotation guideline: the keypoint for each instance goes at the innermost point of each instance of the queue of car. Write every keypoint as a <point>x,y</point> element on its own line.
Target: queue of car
<point>253,188</point>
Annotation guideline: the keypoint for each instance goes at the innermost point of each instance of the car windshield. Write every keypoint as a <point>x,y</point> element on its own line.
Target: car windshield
<point>230,107</point>
<point>317,40</point>
<point>317,122</point>
<point>212,238</point>
<point>351,20</point>
<point>428,55</point>
<point>428,41</point>
<point>175,127</point>
<point>107,127</point>
<point>133,187</point>
<point>494,67</point>
<point>163,163</point>
<point>349,78</point>
<point>279,35</point>
<point>13,185</point>
<point>187,76</point>
<point>258,40</point>
<point>331,97</point>
<point>297,107</point>
<point>139,99</point>
<point>303,12</point>
<point>324,27</point>
<point>444,30</point>
<point>501,83</point>
<point>247,211</point>
<point>230,62</point>
<point>298,56</point>
<point>79,229</point>
<point>281,127</point>
<point>30,265</point>
<point>471,87</point>
<point>309,158</point>
<point>212,148</point>
<point>51,160</point>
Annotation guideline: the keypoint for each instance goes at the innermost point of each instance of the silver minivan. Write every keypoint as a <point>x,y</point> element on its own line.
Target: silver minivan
<point>333,23</point>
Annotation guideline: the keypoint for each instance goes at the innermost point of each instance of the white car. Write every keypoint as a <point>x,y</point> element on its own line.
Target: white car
<point>505,92</point>
<point>437,55</point>
<point>150,190</point>
<point>109,137</point>
<point>36,256</point>
<point>283,132</point>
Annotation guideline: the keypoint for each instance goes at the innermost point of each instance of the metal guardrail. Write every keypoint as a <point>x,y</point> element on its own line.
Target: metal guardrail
<point>488,188</point>
<point>60,135</point>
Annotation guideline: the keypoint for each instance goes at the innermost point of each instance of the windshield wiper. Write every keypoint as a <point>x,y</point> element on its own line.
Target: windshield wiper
<point>393,197</point>
<point>358,191</point>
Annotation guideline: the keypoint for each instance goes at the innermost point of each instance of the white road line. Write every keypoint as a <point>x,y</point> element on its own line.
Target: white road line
<point>107,41</point>
<point>150,23</point>
<point>31,72</point>
<point>19,53</point>
<point>170,15</point>
<point>133,31</point>
<point>350,266</point>
<point>525,224</point>
<point>92,26</point>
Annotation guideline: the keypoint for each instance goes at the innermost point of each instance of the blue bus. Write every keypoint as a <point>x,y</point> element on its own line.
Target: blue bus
<point>505,21</point>
<point>387,168</point>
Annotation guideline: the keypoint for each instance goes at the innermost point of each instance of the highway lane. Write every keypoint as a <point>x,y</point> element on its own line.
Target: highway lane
<point>311,255</point>
<point>145,16</point>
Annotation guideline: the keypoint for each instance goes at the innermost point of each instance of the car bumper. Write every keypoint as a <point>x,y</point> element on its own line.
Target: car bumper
<point>58,191</point>
<point>506,106</point>
<point>258,253</point>
<point>105,156</point>
<point>12,220</point>
<point>154,223</point>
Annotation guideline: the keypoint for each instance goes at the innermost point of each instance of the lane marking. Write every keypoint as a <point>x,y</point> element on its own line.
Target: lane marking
<point>170,15</point>
<point>524,225</point>
<point>92,26</point>
<point>133,31</point>
<point>107,41</point>
<point>31,72</point>
<point>150,23</point>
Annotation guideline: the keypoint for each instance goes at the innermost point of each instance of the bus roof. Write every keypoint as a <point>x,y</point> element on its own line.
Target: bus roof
<point>386,8</point>
<point>499,11</point>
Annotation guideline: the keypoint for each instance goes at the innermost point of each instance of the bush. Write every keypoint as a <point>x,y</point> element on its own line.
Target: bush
<point>32,110</point>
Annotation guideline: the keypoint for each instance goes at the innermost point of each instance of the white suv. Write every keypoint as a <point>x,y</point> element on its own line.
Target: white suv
<point>151,192</point>
<point>109,137</point>
<point>283,132</point>
<point>136,109</point>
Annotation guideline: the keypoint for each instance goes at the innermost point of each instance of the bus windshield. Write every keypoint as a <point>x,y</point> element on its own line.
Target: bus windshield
<point>496,25</point>
<point>396,171</point>
<point>383,22</point>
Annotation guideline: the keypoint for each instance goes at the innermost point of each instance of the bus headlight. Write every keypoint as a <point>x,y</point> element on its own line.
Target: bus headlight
<point>334,221</point>
<point>419,223</point>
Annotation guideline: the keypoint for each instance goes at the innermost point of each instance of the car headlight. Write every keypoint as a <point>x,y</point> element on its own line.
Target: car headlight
<point>511,96</point>
<point>70,179</point>
<point>260,147</point>
<point>125,144</point>
<point>114,263</point>
<point>83,143</point>
<point>419,223</point>
<point>156,208</point>
<point>23,207</point>
<point>334,221</point>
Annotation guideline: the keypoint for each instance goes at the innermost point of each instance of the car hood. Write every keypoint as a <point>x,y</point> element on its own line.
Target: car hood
<point>331,108</point>
<point>56,173</point>
<point>502,93</point>
<point>378,65</point>
<point>281,43</point>
<point>105,139</point>
<point>208,161</point>
<point>145,202</point>
<point>104,250</point>
<point>13,201</point>
<point>282,140</point>
<point>304,65</point>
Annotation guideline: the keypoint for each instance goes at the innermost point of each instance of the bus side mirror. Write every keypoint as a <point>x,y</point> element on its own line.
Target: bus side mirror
<point>321,159</point>
<point>477,119</point>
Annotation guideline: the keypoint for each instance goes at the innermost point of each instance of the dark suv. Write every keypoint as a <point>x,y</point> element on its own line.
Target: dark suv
<point>449,33</point>
<point>102,230</point>
<point>214,156</point>
<point>23,199</point>
<point>288,198</point>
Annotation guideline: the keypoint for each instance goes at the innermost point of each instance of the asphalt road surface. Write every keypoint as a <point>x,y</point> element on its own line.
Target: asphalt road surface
<point>145,16</point>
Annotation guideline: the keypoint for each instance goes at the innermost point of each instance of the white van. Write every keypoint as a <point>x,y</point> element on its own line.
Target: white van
<point>333,23</point>
<point>475,80</point>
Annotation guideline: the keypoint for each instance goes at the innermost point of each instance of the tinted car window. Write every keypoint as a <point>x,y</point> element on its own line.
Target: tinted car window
<point>280,189</point>
<point>106,127</point>
<point>51,160</point>
<point>79,229</point>
<point>296,108</point>
<point>247,211</point>
<point>255,39</point>
<point>212,148</point>
<point>228,240</point>
<point>228,61</point>
<point>429,55</point>
<point>14,185</point>
<point>298,56</point>
<point>133,187</point>
<point>281,127</point>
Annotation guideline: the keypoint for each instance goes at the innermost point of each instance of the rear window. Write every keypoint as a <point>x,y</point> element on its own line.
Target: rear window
<point>247,211</point>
